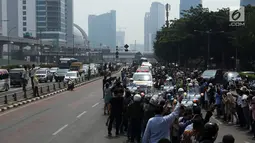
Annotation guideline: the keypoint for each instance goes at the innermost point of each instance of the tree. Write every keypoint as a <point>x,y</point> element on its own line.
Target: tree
<point>180,42</point>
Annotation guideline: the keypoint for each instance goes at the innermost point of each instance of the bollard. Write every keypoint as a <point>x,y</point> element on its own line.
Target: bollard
<point>79,80</point>
<point>54,86</point>
<point>5,99</point>
<point>64,84</point>
<point>41,89</point>
<point>59,85</point>
<point>14,97</point>
<point>48,88</point>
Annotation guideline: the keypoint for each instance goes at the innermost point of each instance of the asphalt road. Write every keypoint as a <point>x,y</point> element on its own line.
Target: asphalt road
<point>70,117</point>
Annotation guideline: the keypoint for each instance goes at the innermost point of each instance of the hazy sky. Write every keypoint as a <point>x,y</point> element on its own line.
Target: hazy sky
<point>130,13</point>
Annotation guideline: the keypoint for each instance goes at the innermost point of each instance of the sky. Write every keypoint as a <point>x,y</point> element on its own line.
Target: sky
<point>130,13</point>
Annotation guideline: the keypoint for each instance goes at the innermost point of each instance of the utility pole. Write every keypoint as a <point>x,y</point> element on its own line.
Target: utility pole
<point>208,32</point>
<point>73,44</point>
<point>9,42</point>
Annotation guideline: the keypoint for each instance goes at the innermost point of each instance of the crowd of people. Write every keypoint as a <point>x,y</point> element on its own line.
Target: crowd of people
<point>156,118</point>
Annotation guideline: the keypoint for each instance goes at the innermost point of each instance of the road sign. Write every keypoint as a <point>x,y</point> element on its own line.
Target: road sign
<point>126,46</point>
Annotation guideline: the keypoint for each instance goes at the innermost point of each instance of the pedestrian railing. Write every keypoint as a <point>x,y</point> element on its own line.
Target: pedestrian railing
<point>44,89</point>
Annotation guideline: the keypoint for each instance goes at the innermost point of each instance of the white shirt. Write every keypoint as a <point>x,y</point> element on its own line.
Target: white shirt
<point>239,100</point>
<point>32,71</point>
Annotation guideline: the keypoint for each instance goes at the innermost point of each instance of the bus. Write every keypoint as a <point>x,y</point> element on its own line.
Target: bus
<point>65,63</point>
<point>77,66</point>
<point>4,80</point>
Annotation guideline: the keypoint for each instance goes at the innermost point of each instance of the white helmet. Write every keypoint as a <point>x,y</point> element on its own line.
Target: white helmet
<point>137,98</point>
<point>188,79</point>
<point>180,90</point>
<point>190,84</point>
<point>210,84</point>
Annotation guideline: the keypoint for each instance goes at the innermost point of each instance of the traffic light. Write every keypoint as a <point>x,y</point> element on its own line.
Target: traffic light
<point>117,52</point>
<point>126,47</point>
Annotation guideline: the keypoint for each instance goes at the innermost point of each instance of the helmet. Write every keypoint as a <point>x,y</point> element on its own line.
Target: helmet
<point>188,79</point>
<point>137,98</point>
<point>210,84</point>
<point>180,90</point>
<point>190,84</point>
<point>211,130</point>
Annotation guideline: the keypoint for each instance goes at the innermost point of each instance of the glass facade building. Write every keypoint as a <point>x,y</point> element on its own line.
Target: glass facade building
<point>51,19</point>
<point>102,30</point>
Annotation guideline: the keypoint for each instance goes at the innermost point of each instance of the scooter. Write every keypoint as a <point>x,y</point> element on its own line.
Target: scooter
<point>70,85</point>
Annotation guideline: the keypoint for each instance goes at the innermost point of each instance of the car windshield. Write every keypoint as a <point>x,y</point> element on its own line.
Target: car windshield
<point>53,69</point>
<point>41,72</point>
<point>209,73</point>
<point>62,70</point>
<point>72,74</point>
<point>142,77</point>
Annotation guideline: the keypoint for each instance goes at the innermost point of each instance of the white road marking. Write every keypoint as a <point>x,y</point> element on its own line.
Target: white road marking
<point>59,130</point>
<point>95,105</point>
<point>246,142</point>
<point>84,112</point>
<point>219,122</point>
<point>21,107</point>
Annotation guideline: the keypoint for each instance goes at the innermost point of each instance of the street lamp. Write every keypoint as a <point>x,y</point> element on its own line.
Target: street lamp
<point>9,42</point>
<point>208,32</point>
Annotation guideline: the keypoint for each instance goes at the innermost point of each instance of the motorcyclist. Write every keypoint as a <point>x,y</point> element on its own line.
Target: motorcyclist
<point>135,114</point>
<point>210,133</point>
<point>70,84</point>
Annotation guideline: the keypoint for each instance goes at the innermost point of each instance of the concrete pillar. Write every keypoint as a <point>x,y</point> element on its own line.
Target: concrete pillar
<point>1,50</point>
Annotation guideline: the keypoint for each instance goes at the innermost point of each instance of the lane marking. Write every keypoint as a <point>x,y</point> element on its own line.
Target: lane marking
<point>84,112</point>
<point>95,105</point>
<point>246,142</point>
<point>60,129</point>
<point>219,122</point>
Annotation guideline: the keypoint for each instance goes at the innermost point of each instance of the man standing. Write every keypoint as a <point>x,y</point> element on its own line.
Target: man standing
<point>158,127</point>
<point>32,74</point>
<point>116,107</point>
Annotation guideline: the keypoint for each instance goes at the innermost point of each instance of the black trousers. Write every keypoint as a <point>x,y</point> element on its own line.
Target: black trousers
<point>117,119</point>
<point>36,91</point>
<point>240,115</point>
<point>136,127</point>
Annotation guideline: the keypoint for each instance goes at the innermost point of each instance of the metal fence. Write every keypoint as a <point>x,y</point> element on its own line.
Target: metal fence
<point>43,90</point>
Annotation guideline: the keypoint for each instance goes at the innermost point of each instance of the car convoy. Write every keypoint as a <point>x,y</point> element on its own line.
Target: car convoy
<point>68,68</point>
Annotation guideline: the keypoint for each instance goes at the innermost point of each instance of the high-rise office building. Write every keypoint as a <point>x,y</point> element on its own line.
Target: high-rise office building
<point>17,17</point>
<point>102,30</point>
<point>69,22</point>
<point>247,2</point>
<point>27,17</point>
<point>187,4</point>
<point>153,22</point>
<point>120,38</point>
<point>51,20</point>
<point>146,31</point>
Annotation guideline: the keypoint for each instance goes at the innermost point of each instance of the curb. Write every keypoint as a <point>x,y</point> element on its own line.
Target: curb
<point>34,99</point>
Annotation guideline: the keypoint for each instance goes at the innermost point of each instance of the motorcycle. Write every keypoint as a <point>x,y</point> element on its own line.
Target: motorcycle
<point>70,85</point>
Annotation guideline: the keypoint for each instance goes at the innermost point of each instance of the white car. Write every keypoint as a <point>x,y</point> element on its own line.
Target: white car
<point>74,75</point>
<point>146,64</point>
<point>143,79</point>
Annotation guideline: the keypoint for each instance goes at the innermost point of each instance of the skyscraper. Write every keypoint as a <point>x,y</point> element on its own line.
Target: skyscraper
<point>187,4</point>
<point>146,31</point>
<point>247,2</point>
<point>51,20</point>
<point>102,29</point>
<point>120,38</point>
<point>153,22</point>
<point>69,22</point>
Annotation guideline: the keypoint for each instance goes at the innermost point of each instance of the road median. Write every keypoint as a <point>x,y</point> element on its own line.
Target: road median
<point>14,100</point>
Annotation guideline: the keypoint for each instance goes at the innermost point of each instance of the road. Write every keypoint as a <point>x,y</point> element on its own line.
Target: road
<point>70,117</point>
